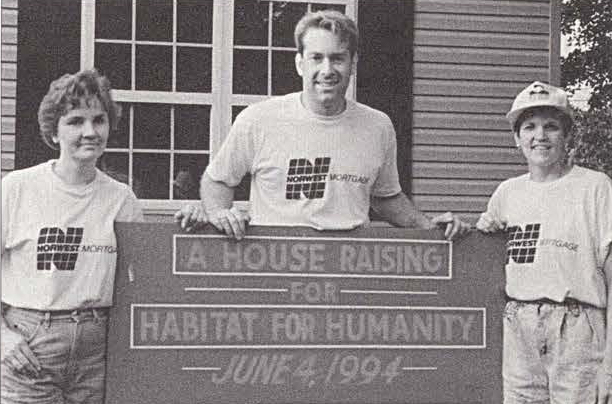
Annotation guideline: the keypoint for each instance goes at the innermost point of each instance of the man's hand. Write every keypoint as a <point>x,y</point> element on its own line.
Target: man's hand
<point>604,388</point>
<point>17,355</point>
<point>191,217</point>
<point>489,224</point>
<point>231,221</point>
<point>454,225</point>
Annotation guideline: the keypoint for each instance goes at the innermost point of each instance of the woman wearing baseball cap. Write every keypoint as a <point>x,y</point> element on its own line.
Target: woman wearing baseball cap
<point>558,218</point>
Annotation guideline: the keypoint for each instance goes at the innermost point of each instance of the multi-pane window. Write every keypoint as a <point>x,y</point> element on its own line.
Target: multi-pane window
<point>182,70</point>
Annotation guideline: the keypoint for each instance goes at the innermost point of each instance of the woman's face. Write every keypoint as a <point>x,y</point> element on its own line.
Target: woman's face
<point>542,139</point>
<point>82,133</point>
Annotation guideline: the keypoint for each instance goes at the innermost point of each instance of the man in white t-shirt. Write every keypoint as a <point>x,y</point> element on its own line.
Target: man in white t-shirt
<point>316,159</point>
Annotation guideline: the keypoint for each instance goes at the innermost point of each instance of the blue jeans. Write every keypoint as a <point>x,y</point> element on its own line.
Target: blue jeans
<point>552,352</point>
<point>71,348</point>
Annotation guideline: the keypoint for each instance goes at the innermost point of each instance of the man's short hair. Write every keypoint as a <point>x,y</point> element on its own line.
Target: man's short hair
<point>330,20</point>
<point>67,93</point>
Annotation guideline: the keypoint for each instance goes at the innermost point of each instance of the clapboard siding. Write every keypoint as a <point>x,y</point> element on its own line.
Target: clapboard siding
<point>475,39</point>
<point>427,186</point>
<point>471,58</point>
<point>8,106</point>
<point>9,35</point>
<point>459,204</point>
<point>9,88</point>
<point>479,7</point>
<point>456,88</point>
<point>9,84</point>
<point>480,171</point>
<point>495,57</point>
<point>458,121</point>
<point>487,105</point>
<point>8,143</point>
<point>485,23</point>
<point>460,137</point>
<point>468,154</point>
<point>469,72</point>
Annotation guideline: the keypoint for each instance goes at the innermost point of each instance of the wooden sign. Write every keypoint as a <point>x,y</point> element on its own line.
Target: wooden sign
<point>292,315</point>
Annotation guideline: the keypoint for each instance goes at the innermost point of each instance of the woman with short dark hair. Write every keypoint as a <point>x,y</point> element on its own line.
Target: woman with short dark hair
<point>59,251</point>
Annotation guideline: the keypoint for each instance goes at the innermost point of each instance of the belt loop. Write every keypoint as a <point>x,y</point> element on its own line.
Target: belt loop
<point>574,308</point>
<point>47,320</point>
<point>75,316</point>
<point>96,315</point>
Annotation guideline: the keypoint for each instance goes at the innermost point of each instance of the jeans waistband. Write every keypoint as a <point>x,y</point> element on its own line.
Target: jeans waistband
<point>568,303</point>
<point>95,312</point>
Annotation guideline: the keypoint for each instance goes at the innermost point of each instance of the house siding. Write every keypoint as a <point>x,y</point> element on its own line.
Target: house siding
<point>9,84</point>
<point>471,58</point>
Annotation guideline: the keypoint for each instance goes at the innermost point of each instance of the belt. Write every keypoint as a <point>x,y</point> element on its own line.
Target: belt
<point>94,311</point>
<point>567,302</point>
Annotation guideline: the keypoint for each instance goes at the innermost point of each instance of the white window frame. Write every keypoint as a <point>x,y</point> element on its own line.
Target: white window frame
<point>221,99</point>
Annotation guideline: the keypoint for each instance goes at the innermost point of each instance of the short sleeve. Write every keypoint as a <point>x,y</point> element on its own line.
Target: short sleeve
<point>494,206</point>
<point>130,210</point>
<point>387,182</point>
<point>236,155</point>
<point>604,217</point>
<point>6,217</point>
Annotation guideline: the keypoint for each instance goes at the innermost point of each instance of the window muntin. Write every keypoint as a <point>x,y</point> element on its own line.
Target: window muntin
<point>168,62</point>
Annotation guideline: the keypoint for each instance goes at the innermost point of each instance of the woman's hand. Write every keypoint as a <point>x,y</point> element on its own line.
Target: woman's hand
<point>16,353</point>
<point>489,224</point>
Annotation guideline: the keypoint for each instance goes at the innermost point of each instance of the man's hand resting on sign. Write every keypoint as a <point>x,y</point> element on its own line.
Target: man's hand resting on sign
<point>454,225</point>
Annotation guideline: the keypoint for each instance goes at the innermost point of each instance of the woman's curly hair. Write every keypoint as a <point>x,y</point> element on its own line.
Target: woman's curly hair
<point>69,92</point>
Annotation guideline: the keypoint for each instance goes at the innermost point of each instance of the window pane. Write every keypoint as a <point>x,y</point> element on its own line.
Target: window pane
<point>236,110</point>
<point>115,164</point>
<point>119,138</point>
<point>114,61</point>
<point>194,69</point>
<point>194,21</point>
<point>151,126</point>
<point>250,72</point>
<point>284,76</point>
<point>337,7</point>
<point>191,127</point>
<point>188,169</point>
<point>285,16</point>
<point>251,22</point>
<point>152,175</point>
<point>154,20</point>
<point>114,19</point>
<point>153,68</point>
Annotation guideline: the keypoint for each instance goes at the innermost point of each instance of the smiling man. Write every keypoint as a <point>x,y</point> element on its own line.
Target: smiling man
<point>316,159</point>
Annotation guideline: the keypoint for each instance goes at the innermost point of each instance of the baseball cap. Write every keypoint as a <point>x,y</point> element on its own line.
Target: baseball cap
<point>538,94</point>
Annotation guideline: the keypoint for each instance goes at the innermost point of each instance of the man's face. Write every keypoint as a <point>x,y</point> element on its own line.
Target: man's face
<point>326,66</point>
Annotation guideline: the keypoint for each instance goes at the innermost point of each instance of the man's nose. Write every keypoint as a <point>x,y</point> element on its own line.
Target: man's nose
<point>326,66</point>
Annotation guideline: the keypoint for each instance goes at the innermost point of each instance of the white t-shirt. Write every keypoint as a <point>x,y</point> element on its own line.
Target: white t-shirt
<point>307,169</point>
<point>58,242</point>
<point>559,235</point>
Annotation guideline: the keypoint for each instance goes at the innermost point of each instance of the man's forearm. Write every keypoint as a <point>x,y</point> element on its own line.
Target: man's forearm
<point>399,211</point>
<point>215,195</point>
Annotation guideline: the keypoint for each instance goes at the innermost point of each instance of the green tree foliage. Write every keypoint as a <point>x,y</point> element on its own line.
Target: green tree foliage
<point>592,141</point>
<point>588,27</point>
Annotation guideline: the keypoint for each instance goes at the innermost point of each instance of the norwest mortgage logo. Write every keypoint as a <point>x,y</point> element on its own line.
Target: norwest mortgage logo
<point>60,250</point>
<point>309,180</point>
